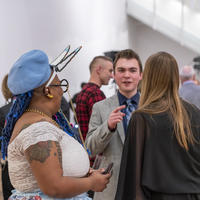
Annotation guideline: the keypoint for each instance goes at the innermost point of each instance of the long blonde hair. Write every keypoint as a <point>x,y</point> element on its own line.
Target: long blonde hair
<point>159,93</point>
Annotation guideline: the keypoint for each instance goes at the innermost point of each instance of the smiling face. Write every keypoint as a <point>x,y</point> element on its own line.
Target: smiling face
<point>127,76</point>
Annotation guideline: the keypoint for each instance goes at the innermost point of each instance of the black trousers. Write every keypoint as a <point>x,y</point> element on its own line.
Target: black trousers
<point>6,184</point>
<point>161,196</point>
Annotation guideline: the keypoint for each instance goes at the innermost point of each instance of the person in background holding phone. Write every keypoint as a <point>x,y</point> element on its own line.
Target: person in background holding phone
<point>161,155</point>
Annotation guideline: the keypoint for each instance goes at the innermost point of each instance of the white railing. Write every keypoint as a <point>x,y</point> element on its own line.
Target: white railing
<point>178,19</point>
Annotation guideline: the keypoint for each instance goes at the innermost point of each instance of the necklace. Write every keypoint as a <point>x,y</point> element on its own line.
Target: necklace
<point>43,114</point>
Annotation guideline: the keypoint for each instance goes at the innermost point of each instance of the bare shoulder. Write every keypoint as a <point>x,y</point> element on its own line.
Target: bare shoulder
<point>24,123</point>
<point>27,124</point>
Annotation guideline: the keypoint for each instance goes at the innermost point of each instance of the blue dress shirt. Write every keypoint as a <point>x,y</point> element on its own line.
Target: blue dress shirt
<point>122,101</point>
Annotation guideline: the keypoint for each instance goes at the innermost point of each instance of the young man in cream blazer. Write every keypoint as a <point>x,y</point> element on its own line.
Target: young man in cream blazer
<point>108,122</point>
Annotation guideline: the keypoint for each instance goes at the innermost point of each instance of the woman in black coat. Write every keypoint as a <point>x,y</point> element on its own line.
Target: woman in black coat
<point>161,156</point>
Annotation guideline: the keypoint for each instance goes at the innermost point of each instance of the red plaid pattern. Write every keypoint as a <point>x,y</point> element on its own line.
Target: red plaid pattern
<point>85,100</point>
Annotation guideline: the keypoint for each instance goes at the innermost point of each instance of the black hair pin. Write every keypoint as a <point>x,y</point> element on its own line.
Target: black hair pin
<point>60,62</point>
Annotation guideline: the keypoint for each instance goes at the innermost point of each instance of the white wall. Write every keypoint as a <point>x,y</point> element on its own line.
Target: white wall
<point>49,25</point>
<point>146,41</point>
<point>98,25</point>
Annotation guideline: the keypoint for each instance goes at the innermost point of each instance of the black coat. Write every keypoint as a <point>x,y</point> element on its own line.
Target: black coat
<point>153,163</point>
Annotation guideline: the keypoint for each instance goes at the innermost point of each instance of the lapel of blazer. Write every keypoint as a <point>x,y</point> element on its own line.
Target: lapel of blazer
<point>120,128</point>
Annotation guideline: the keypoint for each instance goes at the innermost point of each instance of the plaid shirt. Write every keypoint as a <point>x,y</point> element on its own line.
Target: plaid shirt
<point>85,100</point>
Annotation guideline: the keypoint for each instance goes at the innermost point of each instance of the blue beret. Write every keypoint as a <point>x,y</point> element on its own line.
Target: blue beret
<point>30,71</point>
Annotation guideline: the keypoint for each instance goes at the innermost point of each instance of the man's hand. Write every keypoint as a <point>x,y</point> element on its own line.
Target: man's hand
<point>115,117</point>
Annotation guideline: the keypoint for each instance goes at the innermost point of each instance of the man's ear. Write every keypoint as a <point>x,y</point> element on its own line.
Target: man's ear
<point>99,69</point>
<point>141,74</point>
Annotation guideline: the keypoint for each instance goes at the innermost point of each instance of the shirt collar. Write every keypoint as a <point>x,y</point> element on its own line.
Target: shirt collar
<point>91,84</point>
<point>188,82</point>
<point>134,99</point>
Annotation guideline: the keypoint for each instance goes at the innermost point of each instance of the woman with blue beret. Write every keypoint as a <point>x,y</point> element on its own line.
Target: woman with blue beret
<point>45,161</point>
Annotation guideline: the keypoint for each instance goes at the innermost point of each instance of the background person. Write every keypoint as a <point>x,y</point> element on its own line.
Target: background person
<point>189,90</point>
<point>65,107</point>
<point>101,68</point>
<point>44,159</point>
<point>6,184</point>
<point>109,119</point>
<point>161,155</point>
<point>75,95</point>
<point>8,98</point>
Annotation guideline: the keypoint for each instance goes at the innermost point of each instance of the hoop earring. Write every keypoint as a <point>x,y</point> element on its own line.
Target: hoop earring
<point>50,96</point>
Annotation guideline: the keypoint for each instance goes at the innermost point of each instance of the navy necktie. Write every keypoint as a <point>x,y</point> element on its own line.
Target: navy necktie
<point>129,109</point>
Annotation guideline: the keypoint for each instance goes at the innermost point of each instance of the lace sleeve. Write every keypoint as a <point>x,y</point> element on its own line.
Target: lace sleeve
<point>40,131</point>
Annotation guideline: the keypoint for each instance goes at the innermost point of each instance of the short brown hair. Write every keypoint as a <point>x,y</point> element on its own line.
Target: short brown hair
<point>5,90</point>
<point>127,54</point>
<point>96,59</point>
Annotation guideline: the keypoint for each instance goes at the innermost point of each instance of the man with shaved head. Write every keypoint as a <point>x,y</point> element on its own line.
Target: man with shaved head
<point>189,90</point>
<point>101,68</point>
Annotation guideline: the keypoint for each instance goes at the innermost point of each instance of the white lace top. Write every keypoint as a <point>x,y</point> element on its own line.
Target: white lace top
<point>75,161</point>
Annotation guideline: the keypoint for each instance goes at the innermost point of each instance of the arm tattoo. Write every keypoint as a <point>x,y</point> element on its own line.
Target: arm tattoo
<point>59,153</point>
<point>40,151</point>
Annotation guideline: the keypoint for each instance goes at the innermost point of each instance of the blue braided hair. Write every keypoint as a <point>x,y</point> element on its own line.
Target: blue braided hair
<point>61,121</point>
<point>19,105</point>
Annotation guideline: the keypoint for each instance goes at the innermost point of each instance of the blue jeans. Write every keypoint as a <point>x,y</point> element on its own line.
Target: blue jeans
<point>38,195</point>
